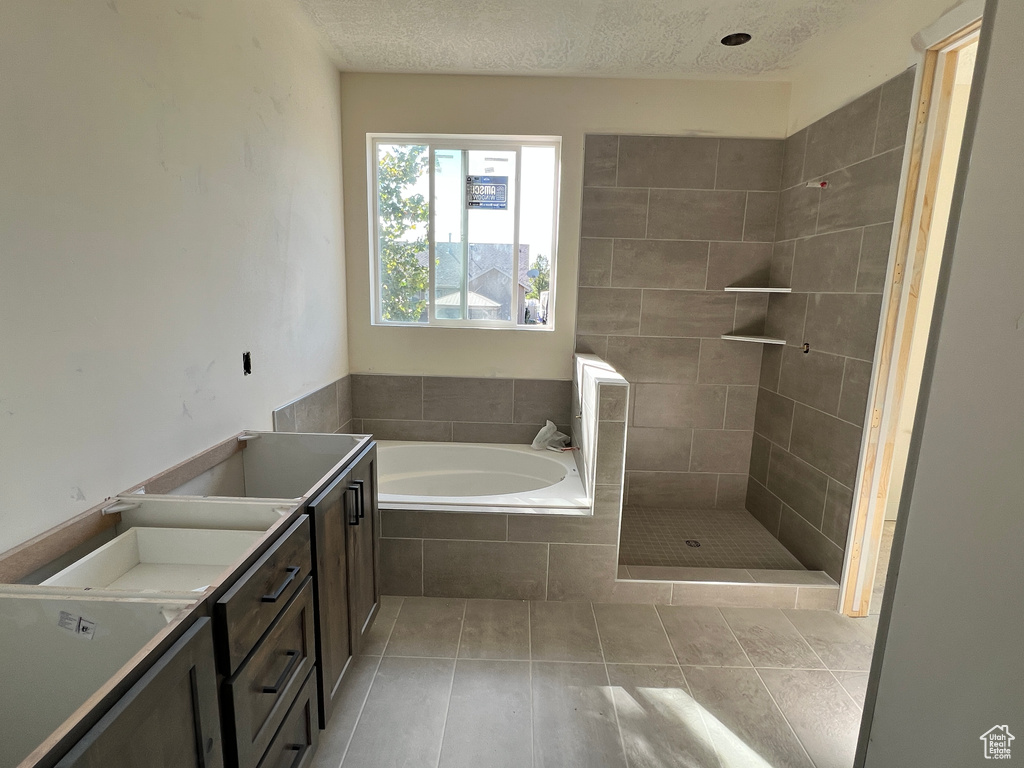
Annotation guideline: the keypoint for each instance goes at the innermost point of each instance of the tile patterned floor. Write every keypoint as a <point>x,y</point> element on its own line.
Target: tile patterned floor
<point>450,683</point>
<point>728,539</point>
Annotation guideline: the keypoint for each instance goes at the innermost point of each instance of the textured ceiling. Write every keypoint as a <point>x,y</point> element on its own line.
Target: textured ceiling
<point>615,38</point>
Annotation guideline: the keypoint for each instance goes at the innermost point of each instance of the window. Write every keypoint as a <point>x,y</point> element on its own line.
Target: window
<point>465,230</point>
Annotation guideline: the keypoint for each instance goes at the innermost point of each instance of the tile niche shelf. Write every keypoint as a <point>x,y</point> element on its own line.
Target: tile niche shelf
<point>754,337</point>
<point>756,289</point>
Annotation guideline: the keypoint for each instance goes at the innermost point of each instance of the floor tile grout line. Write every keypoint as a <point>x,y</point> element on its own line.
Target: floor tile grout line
<point>816,654</point>
<point>799,741</point>
<point>362,706</point>
<point>700,714</point>
<point>529,654</point>
<point>380,660</point>
<point>767,690</point>
<point>451,687</point>
<point>611,692</point>
<point>849,695</point>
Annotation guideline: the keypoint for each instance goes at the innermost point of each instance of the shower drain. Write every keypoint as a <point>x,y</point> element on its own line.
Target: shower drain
<point>692,543</point>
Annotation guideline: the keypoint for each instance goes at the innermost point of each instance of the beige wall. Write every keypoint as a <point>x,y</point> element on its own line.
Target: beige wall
<point>170,197</point>
<point>835,69</point>
<point>515,105</point>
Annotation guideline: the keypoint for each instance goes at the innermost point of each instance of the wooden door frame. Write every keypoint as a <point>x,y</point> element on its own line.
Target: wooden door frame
<point>889,379</point>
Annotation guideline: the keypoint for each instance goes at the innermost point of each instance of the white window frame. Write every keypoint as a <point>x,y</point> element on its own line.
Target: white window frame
<point>462,142</point>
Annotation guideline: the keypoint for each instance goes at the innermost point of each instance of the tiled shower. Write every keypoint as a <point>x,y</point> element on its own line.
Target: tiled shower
<point>742,454</point>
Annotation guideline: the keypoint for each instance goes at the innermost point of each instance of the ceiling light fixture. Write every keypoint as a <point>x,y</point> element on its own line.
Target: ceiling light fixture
<point>736,38</point>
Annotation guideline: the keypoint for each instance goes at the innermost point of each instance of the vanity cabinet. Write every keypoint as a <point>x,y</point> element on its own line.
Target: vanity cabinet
<point>345,523</point>
<point>270,538</point>
<point>168,719</point>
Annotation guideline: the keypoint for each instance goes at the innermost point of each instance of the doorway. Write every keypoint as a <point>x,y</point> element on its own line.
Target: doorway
<point>935,155</point>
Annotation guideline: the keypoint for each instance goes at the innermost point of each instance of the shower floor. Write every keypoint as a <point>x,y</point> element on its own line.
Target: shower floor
<point>728,539</point>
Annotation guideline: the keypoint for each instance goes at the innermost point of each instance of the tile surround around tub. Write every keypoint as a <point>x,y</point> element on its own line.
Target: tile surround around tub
<point>460,409</point>
<point>328,409</point>
<point>698,214</point>
<point>832,246</point>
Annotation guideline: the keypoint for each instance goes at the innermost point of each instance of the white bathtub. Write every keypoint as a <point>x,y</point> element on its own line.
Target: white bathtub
<point>478,477</point>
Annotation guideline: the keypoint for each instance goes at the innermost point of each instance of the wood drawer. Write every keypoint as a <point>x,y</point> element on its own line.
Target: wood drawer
<point>246,610</point>
<point>295,743</point>
<point>258,696</point>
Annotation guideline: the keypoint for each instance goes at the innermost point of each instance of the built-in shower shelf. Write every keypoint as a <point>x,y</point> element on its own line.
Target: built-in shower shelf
<point>753,338</point>
<point>756,289</point>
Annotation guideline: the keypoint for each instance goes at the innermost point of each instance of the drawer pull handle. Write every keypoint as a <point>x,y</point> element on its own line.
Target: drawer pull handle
<point>357,512</point>
<point>300,752</point>
<point>293,656</point>
<point>362,498</point>
<point>293,571</point>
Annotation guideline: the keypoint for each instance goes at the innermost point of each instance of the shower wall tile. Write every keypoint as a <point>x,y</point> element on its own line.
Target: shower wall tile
<point>833,247</point>
<point>838,506</point>
<point>828,443</point>
<point>595,262</point>
<point>673,490</point>
<point>827,262</point>
<point>720,451</point>
<point>874,258</point>
<point>759,217</point>
<point>659,449</point>
<point>894,113</point>
<point>645,359</point>
<point>686,214</point>
<point>750,164</point>
<point>774,417</point>
<point>659,315</point>
<point>741,407</point>
<point>842,138</point>
<point>856,384</point>
<point>843,323</point>
<point>814,379</point>
<point>679,405</point>
<point>675,264</point>
<point>764,505</point>
<point>608,312</point>
<point>739,264</point>
<point>673,162</point>
<point>794,150</point>
<point>862,194</point>
<point>732,490</point>
<point>728,362</point>
<point>599,161</point>
<point>799,485</point>
<point>693,314</point>
<point>760,456</point>
<point>611,212</point>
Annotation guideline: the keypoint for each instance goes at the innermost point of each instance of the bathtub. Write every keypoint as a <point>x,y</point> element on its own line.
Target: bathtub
<point>478,477</point>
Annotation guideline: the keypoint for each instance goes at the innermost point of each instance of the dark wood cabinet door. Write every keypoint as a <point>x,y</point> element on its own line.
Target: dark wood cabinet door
<point>363,591</point>
<point>169,719</point>
<point>334,647</point>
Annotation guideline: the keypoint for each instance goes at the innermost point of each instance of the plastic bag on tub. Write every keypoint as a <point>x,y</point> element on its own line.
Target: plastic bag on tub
<point>550,437</point>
